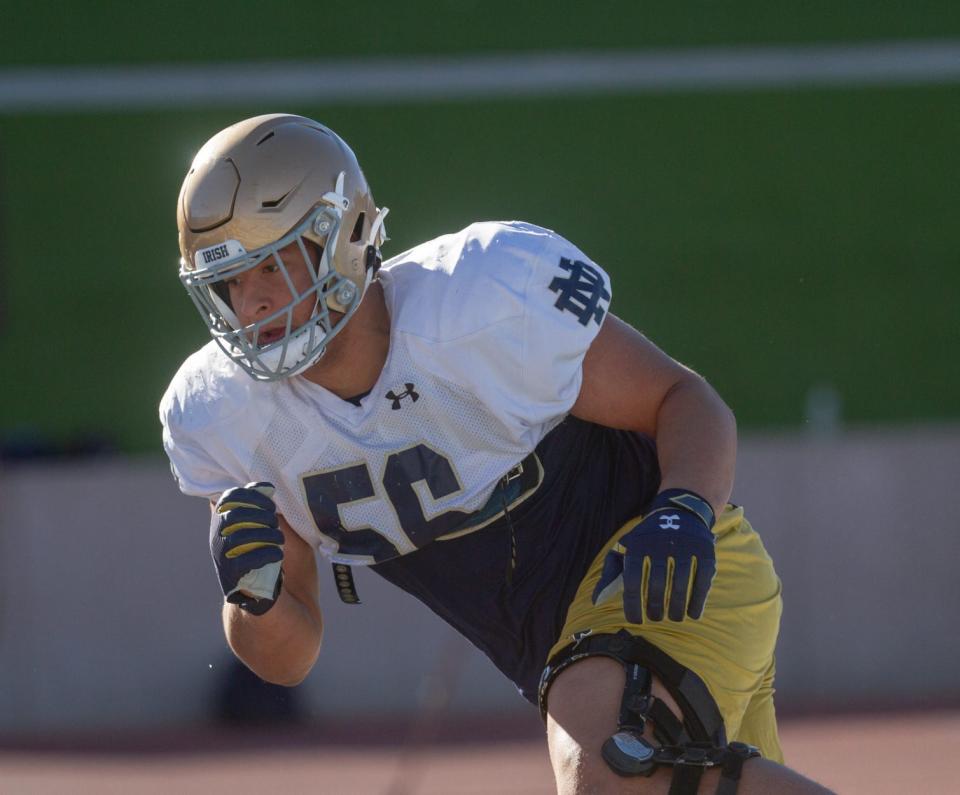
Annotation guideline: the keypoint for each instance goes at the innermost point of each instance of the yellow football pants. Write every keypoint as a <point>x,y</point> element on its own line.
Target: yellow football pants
<point>731,647</point>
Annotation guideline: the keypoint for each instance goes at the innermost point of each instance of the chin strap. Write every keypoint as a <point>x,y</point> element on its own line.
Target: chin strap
<point>377,236</point>
<point>378,230</point>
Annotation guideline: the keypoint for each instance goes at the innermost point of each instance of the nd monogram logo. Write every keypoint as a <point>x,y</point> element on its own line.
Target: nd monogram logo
<point>581,292</point>
<point>670,521</point>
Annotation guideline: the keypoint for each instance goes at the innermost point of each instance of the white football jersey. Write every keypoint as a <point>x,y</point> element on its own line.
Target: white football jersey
<point>488,328</point>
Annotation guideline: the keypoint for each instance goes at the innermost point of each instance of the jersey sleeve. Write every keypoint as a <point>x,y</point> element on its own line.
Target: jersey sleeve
<point>514,320</point>
<point>199,462</point>
<point>196,473</point>
<point>566,302</point>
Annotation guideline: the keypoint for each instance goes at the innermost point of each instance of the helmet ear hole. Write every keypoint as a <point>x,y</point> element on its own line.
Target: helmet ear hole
<point>357,229</point>
<point>315,252</point>
<point>223,293</point>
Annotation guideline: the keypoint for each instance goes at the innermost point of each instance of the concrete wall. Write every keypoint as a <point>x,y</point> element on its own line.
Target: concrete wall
<point>109,607</point>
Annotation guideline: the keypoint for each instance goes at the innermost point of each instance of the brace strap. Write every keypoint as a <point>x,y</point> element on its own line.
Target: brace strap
<point>639,705</point>
<point>737,754</point>
<point>702,721</point>
<point>636,702</point>
<point>628,752</point>
<point>689,747</point>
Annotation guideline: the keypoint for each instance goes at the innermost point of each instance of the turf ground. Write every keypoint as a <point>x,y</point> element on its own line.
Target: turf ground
<point>885,754</point>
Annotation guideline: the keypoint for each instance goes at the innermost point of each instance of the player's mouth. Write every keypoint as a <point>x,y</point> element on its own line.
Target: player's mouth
<point>270,335</point>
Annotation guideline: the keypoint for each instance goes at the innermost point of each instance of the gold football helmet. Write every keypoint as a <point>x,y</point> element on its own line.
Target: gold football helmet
<point>260,186</point>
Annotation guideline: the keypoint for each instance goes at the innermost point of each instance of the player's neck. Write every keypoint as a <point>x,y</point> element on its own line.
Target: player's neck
<point>356,356</point>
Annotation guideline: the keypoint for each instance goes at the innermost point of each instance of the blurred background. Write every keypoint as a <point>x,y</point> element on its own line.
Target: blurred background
<point>772,186</point>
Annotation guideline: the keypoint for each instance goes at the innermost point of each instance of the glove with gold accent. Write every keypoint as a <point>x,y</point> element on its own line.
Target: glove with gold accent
<point>677,527</point>
<point>247,547</point>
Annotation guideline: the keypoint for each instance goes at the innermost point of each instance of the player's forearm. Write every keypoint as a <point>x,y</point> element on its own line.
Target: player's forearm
<point>697,441</point>
<point>279,646</point>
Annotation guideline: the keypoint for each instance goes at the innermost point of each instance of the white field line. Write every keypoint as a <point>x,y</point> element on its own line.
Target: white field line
<point>415,79</point>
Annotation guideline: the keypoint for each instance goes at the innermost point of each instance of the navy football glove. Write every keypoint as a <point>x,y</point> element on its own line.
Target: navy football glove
<point>678,527</point>
<point>247,547</point>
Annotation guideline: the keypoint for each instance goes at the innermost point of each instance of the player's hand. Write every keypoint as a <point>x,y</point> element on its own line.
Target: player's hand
<point>678,526</point>
<point>247,546</point>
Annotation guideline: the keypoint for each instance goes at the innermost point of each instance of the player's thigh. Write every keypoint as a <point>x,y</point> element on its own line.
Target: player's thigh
<point>582,713</point>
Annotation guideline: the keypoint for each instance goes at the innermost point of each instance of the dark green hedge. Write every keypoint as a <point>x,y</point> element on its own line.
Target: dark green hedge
<point>108,31</point>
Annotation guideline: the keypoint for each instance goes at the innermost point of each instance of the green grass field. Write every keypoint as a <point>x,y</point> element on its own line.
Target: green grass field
<point>773,240</point>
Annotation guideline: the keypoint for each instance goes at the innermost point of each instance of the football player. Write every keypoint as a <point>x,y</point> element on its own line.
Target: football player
<point>469,420</point>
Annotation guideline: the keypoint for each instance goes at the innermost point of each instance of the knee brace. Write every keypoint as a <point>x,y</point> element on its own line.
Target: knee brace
<point>689,747</point>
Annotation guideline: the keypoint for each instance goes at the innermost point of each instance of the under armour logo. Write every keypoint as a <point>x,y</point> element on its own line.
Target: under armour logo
<point>581,292</point>
<point>396,398</point>
<point>670,521</point>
